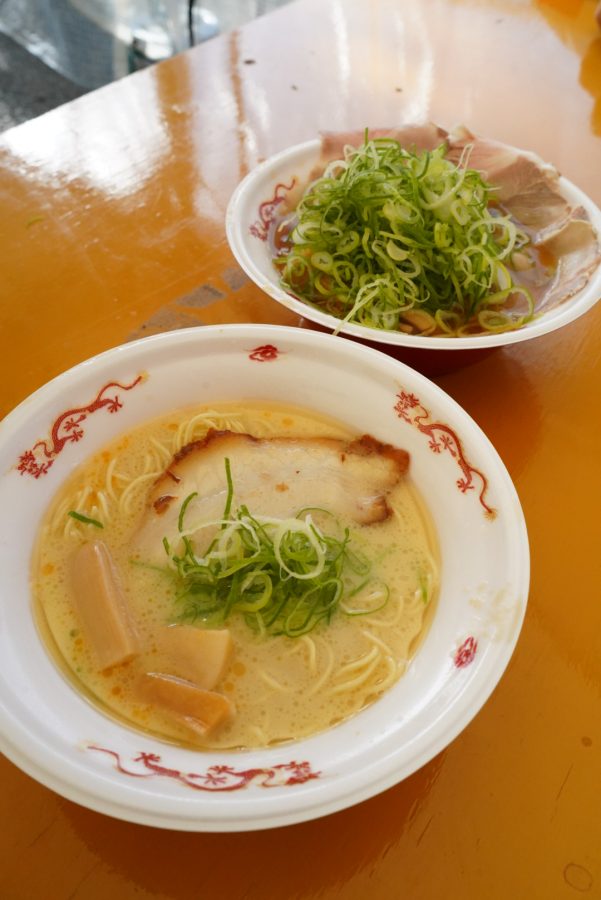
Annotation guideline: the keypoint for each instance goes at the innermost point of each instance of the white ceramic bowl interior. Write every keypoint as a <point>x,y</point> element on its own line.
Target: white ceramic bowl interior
<point>255,202</point>
<point>56,736</point>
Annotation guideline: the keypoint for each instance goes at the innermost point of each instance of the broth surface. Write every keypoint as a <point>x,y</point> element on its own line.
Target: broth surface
<point>283,688</point>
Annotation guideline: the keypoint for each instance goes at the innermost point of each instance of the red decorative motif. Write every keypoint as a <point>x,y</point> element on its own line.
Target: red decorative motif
<point>442,437</point>
<point>67,429</point>
<point>466,652</point>
<point>264,353</point>
<point>260,228</point>
<point>216,778</point>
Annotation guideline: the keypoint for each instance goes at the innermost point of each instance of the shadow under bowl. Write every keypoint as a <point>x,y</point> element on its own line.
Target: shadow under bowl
<point>430,363</point>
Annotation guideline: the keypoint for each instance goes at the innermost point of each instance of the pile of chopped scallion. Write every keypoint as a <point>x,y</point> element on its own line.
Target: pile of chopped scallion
<point>404,241</point>
<point>284,575</point>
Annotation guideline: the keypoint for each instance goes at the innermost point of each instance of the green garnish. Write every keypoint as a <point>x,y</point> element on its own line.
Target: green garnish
<point>398,240</point>
<point>182,512</point>
<point>85,519</point>
<point>368,597</point>
<point>284,575</point>
<point>423,587</point>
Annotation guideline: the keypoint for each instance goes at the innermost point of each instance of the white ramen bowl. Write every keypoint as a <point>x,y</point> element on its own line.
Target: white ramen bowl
<point>255,203</point>
<point>56,736</point>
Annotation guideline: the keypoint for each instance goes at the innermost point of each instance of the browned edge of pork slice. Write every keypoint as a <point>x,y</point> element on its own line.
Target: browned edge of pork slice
<point>377,481</point>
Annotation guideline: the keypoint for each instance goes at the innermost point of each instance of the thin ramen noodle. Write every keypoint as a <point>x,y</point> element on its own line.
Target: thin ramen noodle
<point>282,688</point>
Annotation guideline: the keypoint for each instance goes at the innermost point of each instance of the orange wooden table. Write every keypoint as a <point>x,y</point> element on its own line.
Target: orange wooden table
<point>112,227</point>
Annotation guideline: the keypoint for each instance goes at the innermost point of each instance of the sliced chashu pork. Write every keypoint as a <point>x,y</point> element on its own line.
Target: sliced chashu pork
<point>272,477</point>
<point>410,137</point>
<point>526,186</point>
<point>577,253</point>
<point>183,701</point>
<point>529,190</point>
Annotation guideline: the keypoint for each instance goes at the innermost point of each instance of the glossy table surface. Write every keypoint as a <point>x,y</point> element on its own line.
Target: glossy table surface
<point>112,227</point>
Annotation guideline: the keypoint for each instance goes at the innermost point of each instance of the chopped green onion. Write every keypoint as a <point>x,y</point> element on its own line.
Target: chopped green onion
<point>230,489</point>
<point>85,519</point>
<point>423,587</point>
<point>386,231</point>
<point>366,598</point>
<point>285,576</point>
<point>182,512</point>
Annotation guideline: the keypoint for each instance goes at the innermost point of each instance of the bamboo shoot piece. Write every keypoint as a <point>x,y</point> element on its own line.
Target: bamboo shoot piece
<point>202,711</point>
<point>101,605</point>
<point>200,655</point>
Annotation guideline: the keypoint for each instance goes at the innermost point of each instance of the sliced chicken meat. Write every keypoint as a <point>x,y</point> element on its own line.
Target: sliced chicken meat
<point>273,477</point>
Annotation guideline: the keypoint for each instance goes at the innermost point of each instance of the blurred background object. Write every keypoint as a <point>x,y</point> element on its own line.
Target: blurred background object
<point>51,51</point>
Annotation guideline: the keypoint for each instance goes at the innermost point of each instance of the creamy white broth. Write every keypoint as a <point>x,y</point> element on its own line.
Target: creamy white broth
<point>282,688</point>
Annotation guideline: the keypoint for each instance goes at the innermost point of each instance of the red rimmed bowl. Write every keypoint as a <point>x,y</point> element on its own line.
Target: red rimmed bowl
<point>256,202</point>
<point>54,734</point>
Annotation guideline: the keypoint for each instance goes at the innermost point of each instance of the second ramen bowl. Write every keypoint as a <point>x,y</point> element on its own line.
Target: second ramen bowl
<point>55,735</point>
<point>261,196</point>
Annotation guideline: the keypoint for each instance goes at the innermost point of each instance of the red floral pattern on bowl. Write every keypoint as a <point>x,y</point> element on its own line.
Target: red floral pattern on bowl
<point>216,777</point>
<point>67,429</point>
<point>443,438</point>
